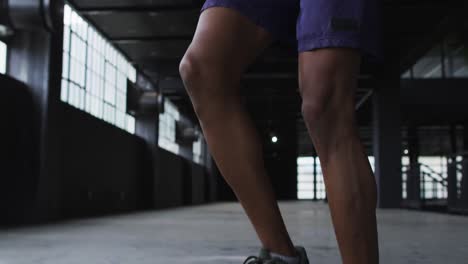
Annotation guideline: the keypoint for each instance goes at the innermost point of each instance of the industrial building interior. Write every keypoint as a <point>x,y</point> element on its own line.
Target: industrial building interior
<point>102,158</point>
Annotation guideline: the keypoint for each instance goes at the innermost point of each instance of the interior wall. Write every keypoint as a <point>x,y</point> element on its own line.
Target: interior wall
<point>19,150</point>
<point>168,184</point>
<point>107,170</point>
<point>179,182</point>
<point>103,168</point>
<point>198,184</point>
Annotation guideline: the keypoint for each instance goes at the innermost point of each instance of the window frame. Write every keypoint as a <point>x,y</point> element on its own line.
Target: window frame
<point>95,72</point>
<point>6,57</point>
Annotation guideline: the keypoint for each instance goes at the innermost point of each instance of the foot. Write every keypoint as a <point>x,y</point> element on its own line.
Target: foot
<point>265,257</point>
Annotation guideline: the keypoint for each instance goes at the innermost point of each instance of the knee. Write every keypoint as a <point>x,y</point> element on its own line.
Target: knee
<point>202,76</point>
<point>326,103</point>
<point>317,100</point>
<point>312,110</point>
<point>323,117</point>
<point>190,69</point>
<point>193,71</point>
<point>205,83</point>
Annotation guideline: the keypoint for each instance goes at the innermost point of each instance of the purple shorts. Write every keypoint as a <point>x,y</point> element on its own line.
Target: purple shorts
<point>314,24</point>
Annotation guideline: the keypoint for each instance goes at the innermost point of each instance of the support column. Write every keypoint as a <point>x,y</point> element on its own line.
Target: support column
<point>36,59</point>
<point>387,142</point>
<point>147,109</point>
<point>414,173</point>
<point>464,181</point>
<point>452,196</point>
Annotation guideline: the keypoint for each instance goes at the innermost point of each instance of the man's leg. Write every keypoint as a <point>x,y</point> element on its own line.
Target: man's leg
<point>225,43</point>
<point>328,79</point>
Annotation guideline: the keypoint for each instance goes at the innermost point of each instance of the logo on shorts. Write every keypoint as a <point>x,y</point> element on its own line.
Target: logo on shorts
<point>344,24</point>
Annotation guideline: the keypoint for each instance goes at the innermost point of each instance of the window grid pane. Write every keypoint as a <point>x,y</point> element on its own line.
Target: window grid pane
<point>307,185</point>
<point>167,127</point>
<point>434,173</point>
<point>95,74</point>
<point>198,154</point>
<point>310,186</point>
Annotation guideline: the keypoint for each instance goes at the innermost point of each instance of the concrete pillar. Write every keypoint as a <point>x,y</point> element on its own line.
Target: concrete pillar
<point>452,196</point>
<point>414,173</point>
<point>35,58</point>
<point>464,181</point>
<point>387,142</point>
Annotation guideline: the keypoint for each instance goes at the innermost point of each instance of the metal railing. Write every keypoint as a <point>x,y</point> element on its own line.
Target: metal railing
<point>429,186</point>
<point>426,188</point>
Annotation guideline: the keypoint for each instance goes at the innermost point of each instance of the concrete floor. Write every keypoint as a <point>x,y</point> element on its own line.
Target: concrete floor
<point>221,234</point>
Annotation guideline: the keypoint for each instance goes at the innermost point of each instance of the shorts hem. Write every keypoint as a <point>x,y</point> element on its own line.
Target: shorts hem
<point>311,44</point>
<point>248,12</point>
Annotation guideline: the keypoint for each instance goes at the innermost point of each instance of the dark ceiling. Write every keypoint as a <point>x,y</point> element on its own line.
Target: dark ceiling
<point>154,34</point>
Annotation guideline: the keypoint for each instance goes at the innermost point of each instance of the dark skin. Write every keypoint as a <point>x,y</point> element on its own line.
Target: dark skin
<point>225,43</point>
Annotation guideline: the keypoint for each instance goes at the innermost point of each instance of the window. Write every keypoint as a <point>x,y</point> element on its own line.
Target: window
<point>305,178</point>
<point>433,176</point>
<point>167,133</point>
<point>94,77</point>
<point>167,127</point>
<point>310,182</point>
<point>372,162</point>
<point>405,162</point>
<point>459,165</point>
<point>447,59</point>
<point>430,65</point>
<point>3,57</point>
<point>456,59</point>
<point>319,182</point>
<point>433,173</point>
<point>408,74</point>
<point>198,153</point>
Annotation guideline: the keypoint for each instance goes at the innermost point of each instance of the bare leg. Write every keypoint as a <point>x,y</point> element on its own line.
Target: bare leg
<point>225,43</point>
<point>328,78</point>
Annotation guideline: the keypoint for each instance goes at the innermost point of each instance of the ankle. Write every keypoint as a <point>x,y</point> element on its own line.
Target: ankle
<point>287,259</point>
<point>288,251</point>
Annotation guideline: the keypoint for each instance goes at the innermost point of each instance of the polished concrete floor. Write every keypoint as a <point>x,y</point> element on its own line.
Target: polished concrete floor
<point>221,234</point>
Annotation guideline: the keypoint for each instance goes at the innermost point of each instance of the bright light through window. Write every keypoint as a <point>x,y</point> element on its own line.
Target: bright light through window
<point>197,149</point>
<point>404,176</point>
<point>433,173</point>
<point>310,182</point>
<point>167,127</point>
<point>3,57</point>
<point>94,77</point>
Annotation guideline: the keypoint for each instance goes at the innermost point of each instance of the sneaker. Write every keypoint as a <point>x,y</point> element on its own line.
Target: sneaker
<point>264,257</point>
